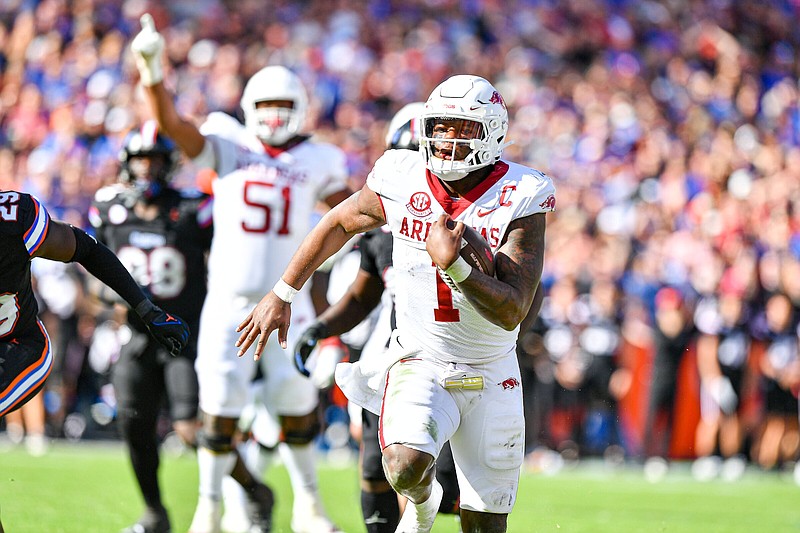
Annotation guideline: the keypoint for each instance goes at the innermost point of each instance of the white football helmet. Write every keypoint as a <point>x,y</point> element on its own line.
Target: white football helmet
<point>405,128</point>
<point>274,125</point>
<point>465,98</point>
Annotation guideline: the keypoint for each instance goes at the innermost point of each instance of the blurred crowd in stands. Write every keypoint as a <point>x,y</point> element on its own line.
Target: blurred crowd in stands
<point>671,129</point>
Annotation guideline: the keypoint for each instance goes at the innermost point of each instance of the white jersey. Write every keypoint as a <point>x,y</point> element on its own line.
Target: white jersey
<point>263,205</point>
<point>442,321</point>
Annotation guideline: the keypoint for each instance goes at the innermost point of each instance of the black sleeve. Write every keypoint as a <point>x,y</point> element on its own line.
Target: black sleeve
<point>101,262</point>
<point>368,260</point>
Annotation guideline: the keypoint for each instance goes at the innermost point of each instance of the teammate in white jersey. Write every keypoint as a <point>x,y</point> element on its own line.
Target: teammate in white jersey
<point>451,370</point>
<point>270,178</point>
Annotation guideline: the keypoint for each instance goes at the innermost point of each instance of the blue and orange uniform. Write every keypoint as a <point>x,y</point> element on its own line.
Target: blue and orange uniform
<point>26,356</point>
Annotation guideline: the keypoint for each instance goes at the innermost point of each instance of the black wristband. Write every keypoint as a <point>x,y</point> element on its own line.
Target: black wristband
<point>144,308</point>
<point>101,262</point>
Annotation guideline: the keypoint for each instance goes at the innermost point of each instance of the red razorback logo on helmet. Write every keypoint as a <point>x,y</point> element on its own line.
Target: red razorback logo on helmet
<point>509,383</point>
<point>497,99</point>
<point>550,203</point>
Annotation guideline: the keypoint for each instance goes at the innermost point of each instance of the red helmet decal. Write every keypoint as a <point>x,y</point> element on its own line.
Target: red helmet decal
<point>497,99</point>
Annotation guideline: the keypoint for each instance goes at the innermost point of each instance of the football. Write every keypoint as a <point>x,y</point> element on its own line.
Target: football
<point>477,252</point>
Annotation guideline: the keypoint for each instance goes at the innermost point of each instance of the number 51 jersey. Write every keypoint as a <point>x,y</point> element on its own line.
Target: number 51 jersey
<point>441,320</point>
<point>263,205</point>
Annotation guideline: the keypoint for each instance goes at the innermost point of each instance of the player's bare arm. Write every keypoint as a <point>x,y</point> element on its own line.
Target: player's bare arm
<point>505,301</point>
<point>338,197</point>
<point>363,295</point>
<point>359,213</point>
<point>185,134</point>
<point>68,244</point>
<point>59,245</point>
<point>148,51</point>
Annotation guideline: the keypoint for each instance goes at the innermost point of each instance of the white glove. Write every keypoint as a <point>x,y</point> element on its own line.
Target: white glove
<point>148,49</point>
<point>323,360</point>
<point>723,393</point>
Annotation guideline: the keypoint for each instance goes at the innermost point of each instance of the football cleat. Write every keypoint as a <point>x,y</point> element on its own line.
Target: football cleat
<point>207,516</point>
<point>308,516</point>
<point>260,502</point>
<point>235,518</point>
<point>150,522</point>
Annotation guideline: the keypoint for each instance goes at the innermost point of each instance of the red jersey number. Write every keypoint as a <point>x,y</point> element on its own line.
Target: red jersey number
<point>444,296</point>
<point>264,197</point>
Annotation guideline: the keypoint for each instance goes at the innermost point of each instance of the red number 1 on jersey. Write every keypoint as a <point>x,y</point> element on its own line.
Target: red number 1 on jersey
<point>444,296</point>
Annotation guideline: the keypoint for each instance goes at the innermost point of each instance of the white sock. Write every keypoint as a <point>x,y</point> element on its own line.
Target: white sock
<point>301,465</point>
<point>419,517</point>
<point>212,467</point>
<point>234,498</point>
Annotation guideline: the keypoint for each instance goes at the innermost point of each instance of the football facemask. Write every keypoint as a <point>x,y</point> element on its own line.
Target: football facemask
<point>148,173</point>
<point>476,118</point>
<point>274,125</point>
<point>147,160</point>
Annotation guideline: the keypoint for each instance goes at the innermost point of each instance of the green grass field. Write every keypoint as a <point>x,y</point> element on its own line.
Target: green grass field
<point>88,488</point>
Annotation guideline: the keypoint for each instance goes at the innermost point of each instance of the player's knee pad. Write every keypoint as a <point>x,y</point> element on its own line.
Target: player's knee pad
<point>502,447</point>
<point>214,442</point>
<point>300,436</point>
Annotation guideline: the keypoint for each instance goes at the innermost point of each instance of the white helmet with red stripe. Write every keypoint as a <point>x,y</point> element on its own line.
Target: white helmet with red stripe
<point>464,127</point>
<point>274,125</point>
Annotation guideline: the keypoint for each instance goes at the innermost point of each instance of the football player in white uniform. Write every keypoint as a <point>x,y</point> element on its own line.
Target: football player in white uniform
<point>360,300</point>
<point>270,178</point>
<point>451,370</point>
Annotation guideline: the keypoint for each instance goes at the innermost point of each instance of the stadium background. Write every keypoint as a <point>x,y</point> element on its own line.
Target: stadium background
<point>671,130</point>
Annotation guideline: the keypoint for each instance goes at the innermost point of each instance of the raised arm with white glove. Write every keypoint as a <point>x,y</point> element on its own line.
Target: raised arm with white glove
<point>148,49</point>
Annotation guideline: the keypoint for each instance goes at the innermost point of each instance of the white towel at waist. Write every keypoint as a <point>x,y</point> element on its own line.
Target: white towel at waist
<point>363,382</point>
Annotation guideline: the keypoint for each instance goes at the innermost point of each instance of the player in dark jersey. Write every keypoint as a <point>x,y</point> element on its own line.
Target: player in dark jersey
<point>27,231</point>
<point>161,235</point>
<point>379,504</point>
